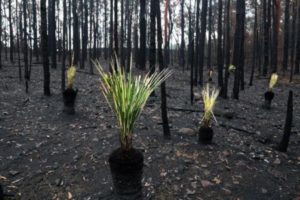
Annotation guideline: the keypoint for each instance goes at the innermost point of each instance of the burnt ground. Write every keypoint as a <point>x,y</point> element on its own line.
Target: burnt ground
<point>46,154</point>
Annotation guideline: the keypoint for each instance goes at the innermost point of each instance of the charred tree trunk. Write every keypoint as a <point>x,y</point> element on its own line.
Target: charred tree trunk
<point>129,30</point>
<point>122,58</point>
<point>228,47</point>
<point>105,30</point>
<point>164,111</point>
<point>111,30</point>
<point>142,56</point>
<point>84,34</point>
<point>202,40</point>
<point>292,59</point>
<point>63,67</point>
<point>91,33</point>
<point>18,21</point>
<point>1,34</point>
<point>95,33</point>
<point>297,62</point>
<point>277,14</point>
<point>69,33</point>
<point>238,55</point>
<point>191,55</point>
<point>51,32</point>
<point>288,125</point>
<point>255,38</point>
<point>116,38</point>
<point>210,23</point>
<point>25,46</point>
<point>220,50</point>
<point>266,38</point>
<point>76,40</point>
<point>44,43</point>
<point>35,37</point>
<point>182,46</point>
<point>11,34</point>
<point>286,36</point>
<point>152,52</point>
<point>197,52</point>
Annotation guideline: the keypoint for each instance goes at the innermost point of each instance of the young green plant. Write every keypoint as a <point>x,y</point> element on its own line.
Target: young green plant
<point>209,96</point>
<point>231,68</point>
<point>71,72</point>
<point>273,81</point>
<point>127,95</point>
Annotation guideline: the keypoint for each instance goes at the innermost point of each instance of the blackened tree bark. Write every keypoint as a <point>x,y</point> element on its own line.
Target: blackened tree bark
<point>202,40</point>
<point>129,30</point>
<point>142,56</point>
<point>220,50</point>
<point>293,36</point>
<point>266,38</point>
<point>167,31</point>
<point>297,61</point>
<point>5,45</point>
<point>69,32</point>
<point>11,34</point>
<point>91,32</point>
<point>255,41</point>
<point>34,27</point>
<point>288,125</point>
<point>210,24</point>
<point>44,43</point>
<point>105,30</point>
<point>286,36</point>
<point>63,67</point>
<point>196,60</point>
<point>25,46</point>
<point>182,46</point>
<point>228,47</point>
<point>111,30</point>
<point>1,34</point>
<point>52,34</point>
<point>97,34</point>
<point>238,55</point>
<point>19,30</point>
<point>122,58</point>
<point>76,40</point>
<point>84,34</point>
<point>94,30</point>
<point>164,111</point>
<point>277,14</point>
<point>191,54</point>
<point>136,45</point>
<point>116,38</point>
<point>152,53</point>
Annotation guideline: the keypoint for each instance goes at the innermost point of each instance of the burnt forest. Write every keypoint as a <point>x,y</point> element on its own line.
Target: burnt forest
<point>149,99</point>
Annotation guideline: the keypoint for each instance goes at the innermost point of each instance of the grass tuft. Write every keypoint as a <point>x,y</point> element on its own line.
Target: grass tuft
<point>127,95</point>
<point>273,81</point>
<point>71,72</point>
<point>209,96</point>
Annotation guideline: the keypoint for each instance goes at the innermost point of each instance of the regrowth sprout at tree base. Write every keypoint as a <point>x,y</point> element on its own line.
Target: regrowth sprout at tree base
<point>269,95</point>
<point>209,96</point>
<point>127,95</point>
<point>273,81</point>
<point>69,95</point>
<point>71,72</point>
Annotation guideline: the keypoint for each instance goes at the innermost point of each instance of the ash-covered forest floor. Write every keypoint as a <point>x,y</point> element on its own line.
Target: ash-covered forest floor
<point>46,154</point>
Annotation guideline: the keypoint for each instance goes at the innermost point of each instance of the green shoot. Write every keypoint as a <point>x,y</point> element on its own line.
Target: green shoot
<point>231,68</point>
<point>70,75</point>
<point>209,96</point>
<point>127,95</point>
<point>273,81</point>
